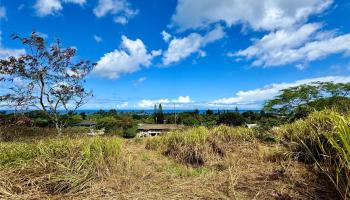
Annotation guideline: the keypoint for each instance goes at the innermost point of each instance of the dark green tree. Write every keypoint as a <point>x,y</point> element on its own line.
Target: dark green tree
<point>112,112</point>
<point>160,119</point>
<point>209,112</point>
<point>231,119</point>
<point>196,111</point>
<point>83,115</point>
<point>101,112</point>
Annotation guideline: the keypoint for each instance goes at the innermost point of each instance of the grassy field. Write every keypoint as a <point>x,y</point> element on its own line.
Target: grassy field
<point>308,159</point>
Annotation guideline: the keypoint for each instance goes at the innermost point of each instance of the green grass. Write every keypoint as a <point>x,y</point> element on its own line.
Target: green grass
<point>178,170</point>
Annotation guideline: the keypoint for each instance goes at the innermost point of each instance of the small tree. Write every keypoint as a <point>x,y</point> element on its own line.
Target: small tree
<point>83,115</point>
<point>160,118</point>
<point>49,79</point>
<point>196,111</point>
<point>209,112</point>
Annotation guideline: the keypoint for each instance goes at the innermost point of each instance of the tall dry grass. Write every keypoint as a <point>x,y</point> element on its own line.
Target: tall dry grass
<point>323,138</point>
<point>197,146</point>
<point>55,166</point>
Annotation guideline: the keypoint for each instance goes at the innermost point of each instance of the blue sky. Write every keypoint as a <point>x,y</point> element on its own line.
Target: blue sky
<point>194,53</point>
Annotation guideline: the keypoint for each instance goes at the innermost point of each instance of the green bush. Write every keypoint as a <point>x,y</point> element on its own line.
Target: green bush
<point>108,123</point>
<point>231,119</point>
<point>42,122</point>
<point>130,132</point>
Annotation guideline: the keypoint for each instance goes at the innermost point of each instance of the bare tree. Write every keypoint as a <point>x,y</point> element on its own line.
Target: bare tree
<point>47,78</point>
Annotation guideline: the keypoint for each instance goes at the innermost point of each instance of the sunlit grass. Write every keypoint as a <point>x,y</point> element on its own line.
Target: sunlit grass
<point>324,138</point>
<point>196,146</point>
<point>62,164</point>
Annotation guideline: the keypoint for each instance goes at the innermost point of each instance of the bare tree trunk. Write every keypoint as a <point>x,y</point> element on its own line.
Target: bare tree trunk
<point>58,128</point>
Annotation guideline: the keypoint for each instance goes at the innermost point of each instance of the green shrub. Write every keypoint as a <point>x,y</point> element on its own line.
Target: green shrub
<point>231,119</point>
<point>108,123</point>
<point>130,132</point>
<point>42,122</point>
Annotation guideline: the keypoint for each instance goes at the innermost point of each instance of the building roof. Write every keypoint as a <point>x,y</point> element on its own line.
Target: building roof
<point>85,124</point>
<point>159,126</point>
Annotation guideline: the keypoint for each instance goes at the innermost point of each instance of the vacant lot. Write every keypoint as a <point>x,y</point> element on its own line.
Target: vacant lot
<point>198,163</point>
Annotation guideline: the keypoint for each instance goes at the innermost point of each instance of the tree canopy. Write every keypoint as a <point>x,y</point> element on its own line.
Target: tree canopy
<point>302,99</point>
<point>46,78</point>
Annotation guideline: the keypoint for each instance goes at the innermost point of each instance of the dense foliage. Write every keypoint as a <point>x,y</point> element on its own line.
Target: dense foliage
<point>299,101</point>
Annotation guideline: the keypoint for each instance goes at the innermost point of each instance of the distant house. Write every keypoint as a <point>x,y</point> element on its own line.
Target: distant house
<point>146,130</point>
<point>251,125</point>
<point>91,125</point>
<point>85,124</point>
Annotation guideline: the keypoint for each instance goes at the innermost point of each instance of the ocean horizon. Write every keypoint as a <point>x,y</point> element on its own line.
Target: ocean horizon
<point>146,111</point>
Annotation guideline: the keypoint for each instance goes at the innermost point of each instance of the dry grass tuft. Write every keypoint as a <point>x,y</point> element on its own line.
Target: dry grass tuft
<point>56,166</point>
<point>323,139</point>
<point>198,146</point>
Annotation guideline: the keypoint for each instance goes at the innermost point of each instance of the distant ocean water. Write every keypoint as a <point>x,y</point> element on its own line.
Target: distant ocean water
<point>148,111</point>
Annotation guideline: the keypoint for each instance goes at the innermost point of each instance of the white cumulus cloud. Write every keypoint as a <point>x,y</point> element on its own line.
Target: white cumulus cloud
<point>131,56</point>
<point>181,48</point>
<point>302,45</point>
<point>259,15</point>
<point>146,103</point>
<point>166,36</point>
<point>290,38</point>
<point>183,99</point>
<point>120,9</point>
<point>47,7</point>
<point>52,7</point>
